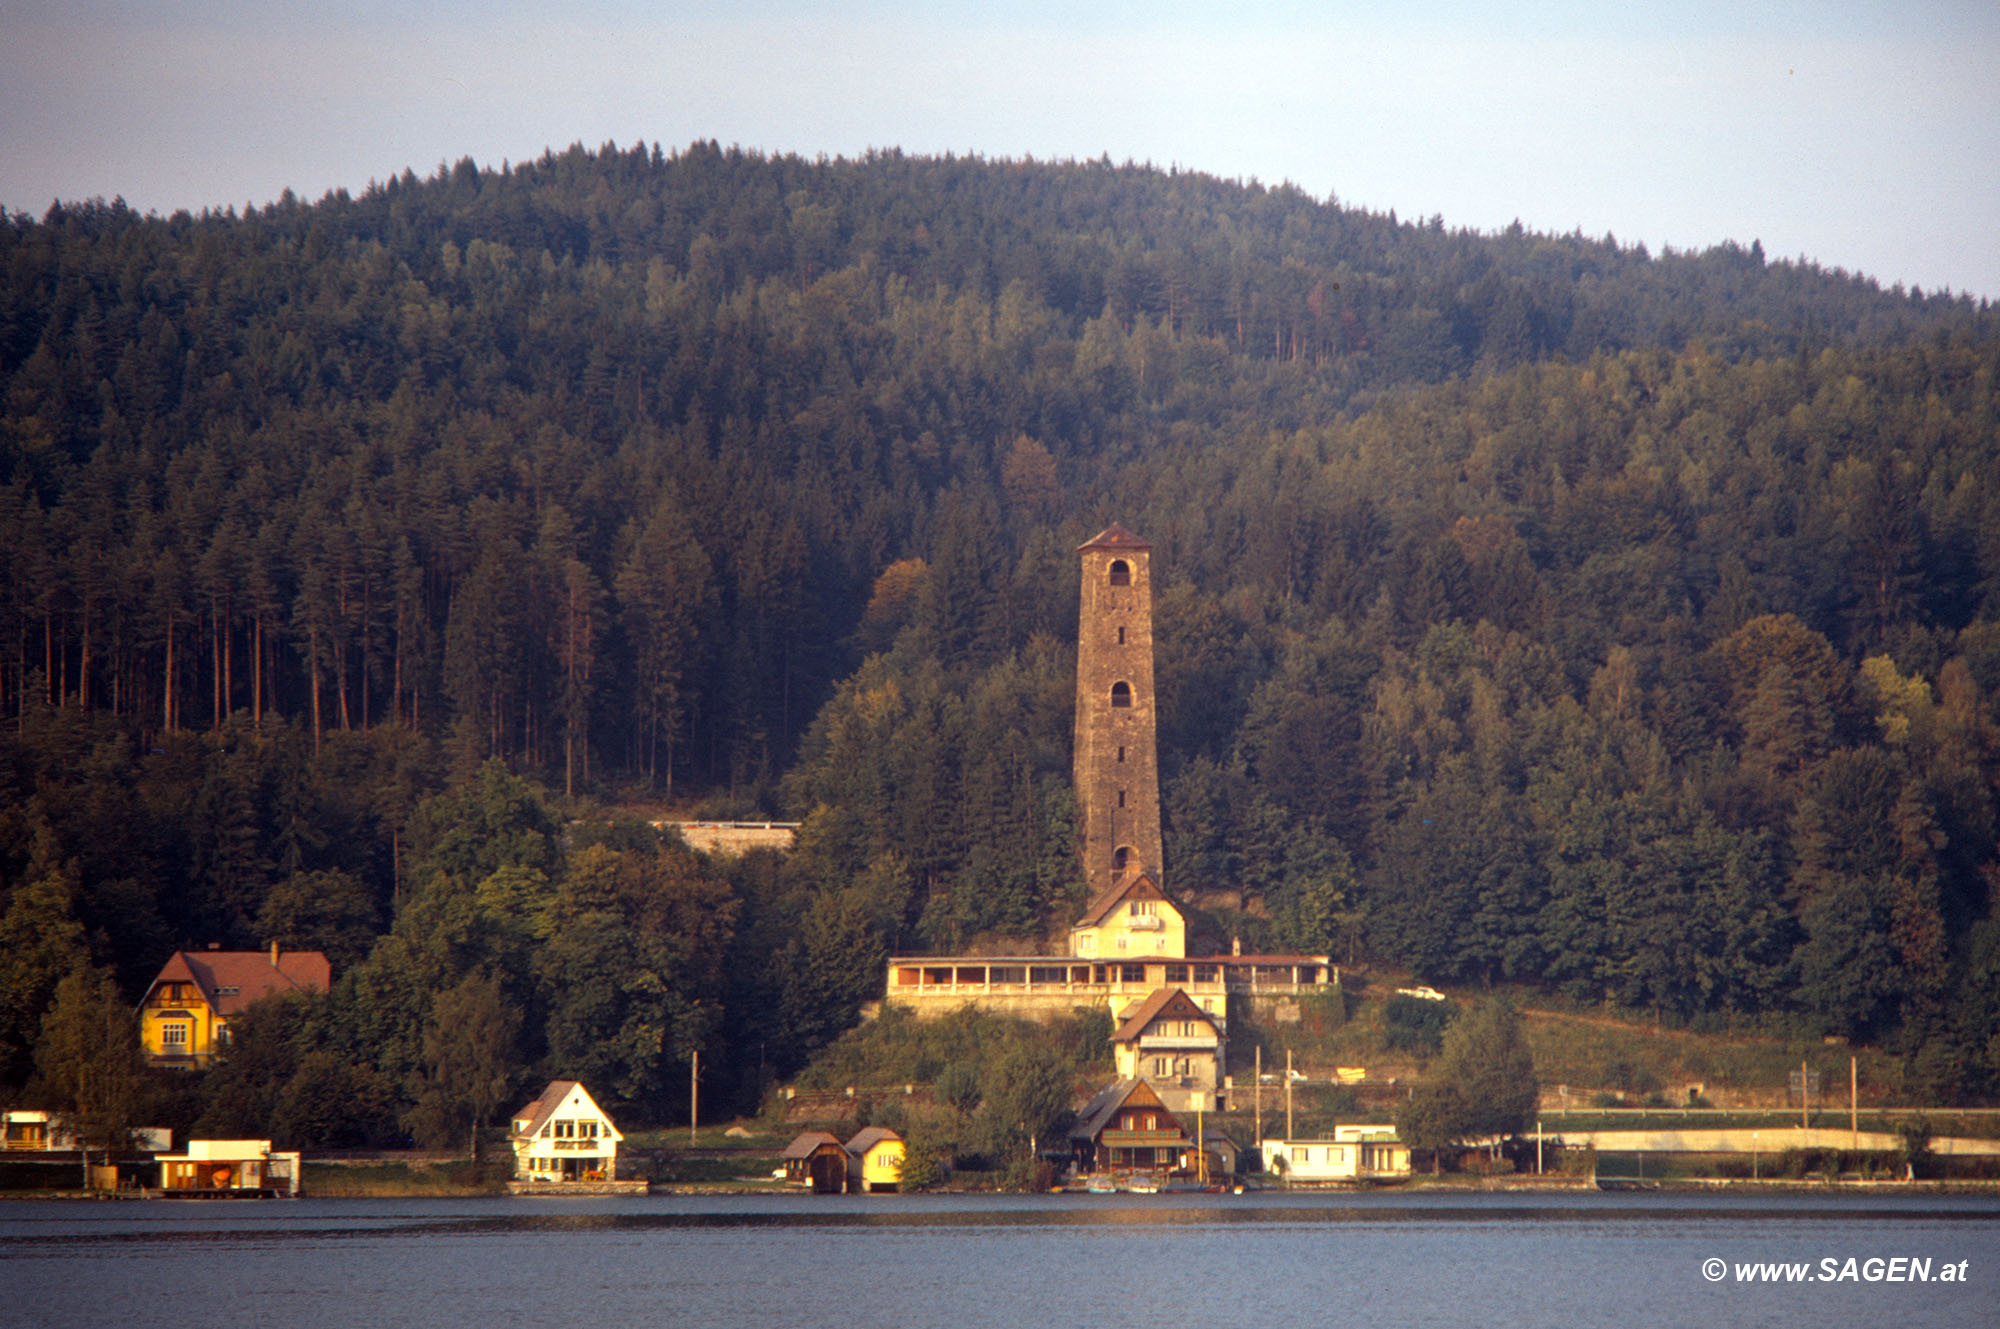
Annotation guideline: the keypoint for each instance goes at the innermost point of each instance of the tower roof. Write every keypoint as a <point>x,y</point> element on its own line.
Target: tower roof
<point>1114,536</point>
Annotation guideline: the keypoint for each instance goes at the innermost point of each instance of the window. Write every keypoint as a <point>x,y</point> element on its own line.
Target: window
<point>1121,636</point>
<point>1139,908</point>
<point>1121,572</point>
<point>1121,695</point>
<point>1299,1155</point>
<point>1121,798</point>
<point>1121,754</point>
<point>1177,973</point>
<point>1120,857</point>
<point>174,1037</point>
<point>1132,973</point>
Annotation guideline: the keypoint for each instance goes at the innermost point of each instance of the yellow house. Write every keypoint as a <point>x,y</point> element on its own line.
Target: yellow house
<point>877,1154</point>
<point>184,1020</point>
<point>1133,919</point>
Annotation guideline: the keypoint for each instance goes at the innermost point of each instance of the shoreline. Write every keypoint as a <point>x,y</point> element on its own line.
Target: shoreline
<point>1423,1185</point>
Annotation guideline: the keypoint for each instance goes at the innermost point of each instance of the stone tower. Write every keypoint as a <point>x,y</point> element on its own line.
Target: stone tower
<point>1117,772</point>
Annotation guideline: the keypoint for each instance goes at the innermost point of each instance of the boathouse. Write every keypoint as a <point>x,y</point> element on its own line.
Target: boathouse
<point>819,1161</point>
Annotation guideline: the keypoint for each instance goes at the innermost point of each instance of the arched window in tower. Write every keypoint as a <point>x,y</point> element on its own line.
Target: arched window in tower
<point>1121,694</point>
<point>1121,572</point>
<point>1120,856</point>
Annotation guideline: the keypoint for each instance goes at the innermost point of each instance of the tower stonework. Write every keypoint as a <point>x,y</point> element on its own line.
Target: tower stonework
<point>1117,774</point>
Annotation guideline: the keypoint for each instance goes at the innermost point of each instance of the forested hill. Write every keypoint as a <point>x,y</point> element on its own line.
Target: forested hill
<point>1533,608</point>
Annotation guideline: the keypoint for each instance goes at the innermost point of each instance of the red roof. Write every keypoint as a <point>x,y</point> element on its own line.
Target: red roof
<point>230,980</point>
<point>1114,536</point>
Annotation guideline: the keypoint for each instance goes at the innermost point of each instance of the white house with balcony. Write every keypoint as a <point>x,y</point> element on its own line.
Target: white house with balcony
<point>563,1136</point>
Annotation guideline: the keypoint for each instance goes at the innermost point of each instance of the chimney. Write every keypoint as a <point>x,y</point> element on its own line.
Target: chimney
<point>1236,945</point>
<point>274,955</point>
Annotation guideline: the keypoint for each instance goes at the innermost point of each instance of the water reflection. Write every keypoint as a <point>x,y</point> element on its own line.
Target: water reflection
<point>964,1262</point>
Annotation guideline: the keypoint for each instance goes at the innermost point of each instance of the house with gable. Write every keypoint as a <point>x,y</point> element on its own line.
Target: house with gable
<point>563,1136</point>
<point>1131,920</point>
<point>1175,1046</point>
<point>818,1161</point>
<point>184,1018</point>
<point>1126,1132</point>
<point>877,1153</point>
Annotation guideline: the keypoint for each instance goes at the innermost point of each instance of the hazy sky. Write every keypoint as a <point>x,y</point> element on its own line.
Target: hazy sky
<point>1864,136</point>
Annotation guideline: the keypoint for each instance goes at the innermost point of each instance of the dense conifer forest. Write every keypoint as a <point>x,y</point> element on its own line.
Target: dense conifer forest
<point>1534,609</point>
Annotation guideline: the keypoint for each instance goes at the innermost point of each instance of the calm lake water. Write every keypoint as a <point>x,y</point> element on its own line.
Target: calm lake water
<point>1022,1262</point>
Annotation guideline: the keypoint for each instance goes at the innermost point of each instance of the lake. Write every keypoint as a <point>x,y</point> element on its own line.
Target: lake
<point>1386,1259</point>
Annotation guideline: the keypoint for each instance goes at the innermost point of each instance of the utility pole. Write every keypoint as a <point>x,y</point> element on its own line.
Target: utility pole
<point>1805,1098</point>
<point>1288,1094</point>
<point>694,1094</point>
<point>1853,1106</point>
<point>1257,1097</point>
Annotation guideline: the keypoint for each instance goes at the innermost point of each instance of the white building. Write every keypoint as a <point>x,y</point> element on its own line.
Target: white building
<point>30,1130</point>
<point>564,1136</point>
<point>1355,1153</point>
<point>230,1166</point>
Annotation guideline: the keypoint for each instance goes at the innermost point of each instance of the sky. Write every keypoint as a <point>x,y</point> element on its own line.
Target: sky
<point>1861,136</point>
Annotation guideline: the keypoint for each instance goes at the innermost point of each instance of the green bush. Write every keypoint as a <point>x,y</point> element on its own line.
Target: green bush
<point>923,1166</point>
<point>1412,1024</point>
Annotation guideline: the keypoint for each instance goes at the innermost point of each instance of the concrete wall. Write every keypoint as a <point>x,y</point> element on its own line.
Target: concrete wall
<point>733,839</point>
<point>1763,1140</point>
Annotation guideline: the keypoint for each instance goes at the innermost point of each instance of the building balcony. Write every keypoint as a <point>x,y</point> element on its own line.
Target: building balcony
<point>1142,1139</point>
<point>1179,1043</point>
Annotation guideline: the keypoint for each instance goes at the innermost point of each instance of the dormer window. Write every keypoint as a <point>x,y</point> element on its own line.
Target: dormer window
<point>1121,695</point>
<point>1121,572</point>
